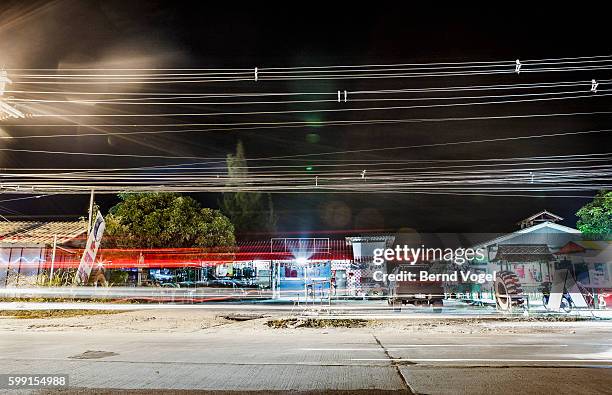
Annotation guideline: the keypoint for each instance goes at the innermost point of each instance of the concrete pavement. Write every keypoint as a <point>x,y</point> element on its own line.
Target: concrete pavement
<point>247,356</point>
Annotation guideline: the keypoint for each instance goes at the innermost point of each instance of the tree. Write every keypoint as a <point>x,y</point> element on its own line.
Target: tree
<point>248,211</point>
<point>596,216</point>
<point>158,220</point>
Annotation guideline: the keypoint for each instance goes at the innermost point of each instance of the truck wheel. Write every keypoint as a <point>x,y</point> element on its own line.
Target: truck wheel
<point>437,305</point>
<point>508,291</point>
<point>396,304</point>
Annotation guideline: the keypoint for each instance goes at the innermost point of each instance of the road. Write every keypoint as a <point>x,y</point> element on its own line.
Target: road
<point>248,356</point>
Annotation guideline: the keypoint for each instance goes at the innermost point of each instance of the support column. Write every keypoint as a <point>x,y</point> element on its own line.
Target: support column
<point>90,214</point>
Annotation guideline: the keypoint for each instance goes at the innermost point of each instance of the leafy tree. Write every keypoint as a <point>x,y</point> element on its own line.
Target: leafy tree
<point>248,211</point>
<point>157,220</point>
<point>596,216</point>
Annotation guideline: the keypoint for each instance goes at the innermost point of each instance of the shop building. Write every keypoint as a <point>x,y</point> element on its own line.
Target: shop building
<point>32,251</point>
<point>285,266</point>
<point>590,262</point>
<point>530,253</point>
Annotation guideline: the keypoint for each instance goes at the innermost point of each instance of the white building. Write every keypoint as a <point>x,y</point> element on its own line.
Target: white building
<point>529,252</point>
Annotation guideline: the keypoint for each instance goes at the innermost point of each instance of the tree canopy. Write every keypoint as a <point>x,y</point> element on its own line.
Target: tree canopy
<point>248,211</point>
<point>157,220</point>
<point>596,216</point>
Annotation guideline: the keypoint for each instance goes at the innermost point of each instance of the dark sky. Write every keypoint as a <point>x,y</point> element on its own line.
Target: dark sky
<point>194,34</point>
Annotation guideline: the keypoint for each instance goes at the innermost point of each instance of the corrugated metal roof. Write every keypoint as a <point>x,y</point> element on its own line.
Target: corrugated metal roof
<point>31,232</point>
<point>9,228</point>
<point>551,234</point>
<point>263,250</point>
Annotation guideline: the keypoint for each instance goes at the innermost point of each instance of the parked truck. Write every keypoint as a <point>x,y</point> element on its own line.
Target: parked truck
<point>415,292</point>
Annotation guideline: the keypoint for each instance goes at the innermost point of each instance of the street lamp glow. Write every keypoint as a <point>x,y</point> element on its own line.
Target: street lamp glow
<point>7,111</point>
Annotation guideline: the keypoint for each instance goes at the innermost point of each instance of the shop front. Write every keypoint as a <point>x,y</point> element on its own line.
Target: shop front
<point>297,277</point>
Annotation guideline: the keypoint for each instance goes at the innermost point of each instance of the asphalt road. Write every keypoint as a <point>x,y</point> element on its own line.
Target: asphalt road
<point>240,357</point>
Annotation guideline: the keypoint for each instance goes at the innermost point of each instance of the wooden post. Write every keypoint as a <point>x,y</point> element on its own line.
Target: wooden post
<point>53,258</point>
<point>91,204</point>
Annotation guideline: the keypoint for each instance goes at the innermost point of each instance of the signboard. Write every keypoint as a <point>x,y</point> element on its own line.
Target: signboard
<point>91,248</point>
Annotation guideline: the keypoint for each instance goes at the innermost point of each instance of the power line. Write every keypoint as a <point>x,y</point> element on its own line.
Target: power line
<point>325,77</point>
<point>424,106</point>
<point>453,179</point>
<point>289,124</point>
<point>552,178</point>
<point>582,59</point>
<point>489,162</point>
<point>290,73</point>
<point>347,162</point>
<point>145,101</point>
<point>429,145</point>
<point>353,93</point>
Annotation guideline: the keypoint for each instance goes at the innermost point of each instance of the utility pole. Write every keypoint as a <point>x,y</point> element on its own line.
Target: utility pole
<point>91,206</point>
<point>53,259</point>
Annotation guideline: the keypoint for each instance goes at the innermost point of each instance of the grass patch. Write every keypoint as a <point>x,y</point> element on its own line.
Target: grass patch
<point>316,323</point>
<point>32,314</point>
<point>550,317</point>
<point>76,300</point>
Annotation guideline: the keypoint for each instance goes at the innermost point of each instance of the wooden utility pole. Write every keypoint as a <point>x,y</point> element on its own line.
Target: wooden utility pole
<point>53,259</point>
<point>91,205</point>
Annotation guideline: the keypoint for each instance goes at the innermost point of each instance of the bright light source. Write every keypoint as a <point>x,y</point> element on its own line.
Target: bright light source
<point>7,111</point>
<point>10,111</point>
<point>301,260</point>
<point>4,79</point>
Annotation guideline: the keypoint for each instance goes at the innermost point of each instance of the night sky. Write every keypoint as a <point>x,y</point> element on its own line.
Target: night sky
<point>65,34</point>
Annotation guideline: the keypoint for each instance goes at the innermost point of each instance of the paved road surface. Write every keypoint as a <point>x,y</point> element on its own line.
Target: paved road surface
<point>239,358</point>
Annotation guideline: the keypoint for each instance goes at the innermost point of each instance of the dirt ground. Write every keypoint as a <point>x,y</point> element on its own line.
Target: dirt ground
<point>129,321</point>
<point>181,320</point>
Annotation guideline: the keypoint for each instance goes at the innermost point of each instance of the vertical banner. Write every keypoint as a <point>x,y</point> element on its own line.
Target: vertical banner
<point>89,255</point>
